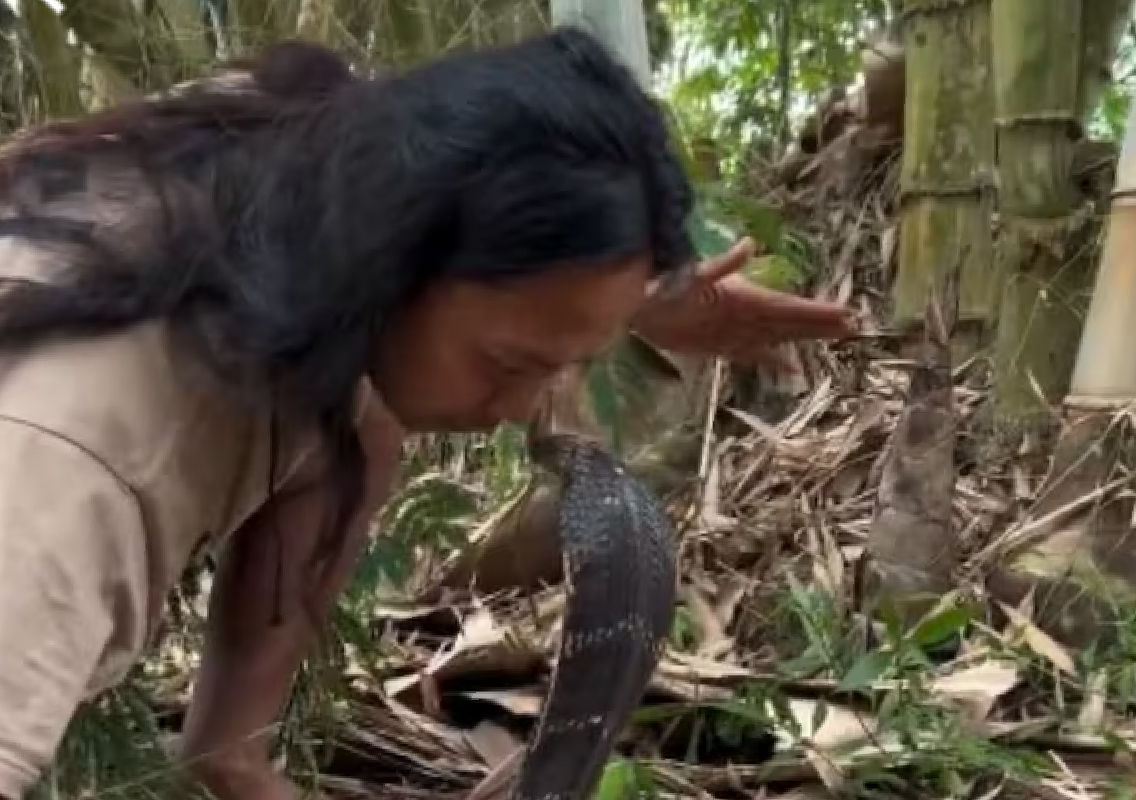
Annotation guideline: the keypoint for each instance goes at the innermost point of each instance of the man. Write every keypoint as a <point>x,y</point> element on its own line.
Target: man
<point>223,310</point>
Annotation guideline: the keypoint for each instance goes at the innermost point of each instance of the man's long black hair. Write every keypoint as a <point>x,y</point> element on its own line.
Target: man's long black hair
<point>331,199</point>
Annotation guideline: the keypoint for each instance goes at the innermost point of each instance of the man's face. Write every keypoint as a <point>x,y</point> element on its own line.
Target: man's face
<point>468,356</point>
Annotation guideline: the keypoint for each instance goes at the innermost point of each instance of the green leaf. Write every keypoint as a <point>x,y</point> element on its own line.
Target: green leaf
<point>621,781</point>
<point>506,448</point>
<point>774,272</point>
<point>893,622</point>
<point>682,628</point>
<point>761,221</point>
<point>646,715</point>
<point>806,665</point>
<point>935,629</point>
<point>604,396</point>
<point>755,715</point>
<point>430,510</point>
<point>867,670</point>
<point>619,385</point>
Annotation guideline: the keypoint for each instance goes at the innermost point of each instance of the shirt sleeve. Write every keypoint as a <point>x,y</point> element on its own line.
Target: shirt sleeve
<point>73,591</point>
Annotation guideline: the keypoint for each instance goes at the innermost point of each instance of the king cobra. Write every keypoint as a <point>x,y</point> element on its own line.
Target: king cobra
<point>619,568</point>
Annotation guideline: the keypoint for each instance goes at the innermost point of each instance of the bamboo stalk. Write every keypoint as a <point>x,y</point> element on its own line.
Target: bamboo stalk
<point>1036,57</point>
<point>621,26</point>
<point>944,278</point>
<point>1082,562</point>
<point>1105,371</point>
<point>948,154</point>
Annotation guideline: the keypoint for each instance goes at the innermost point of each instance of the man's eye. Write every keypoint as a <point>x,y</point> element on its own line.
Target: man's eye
<point>506,368</point>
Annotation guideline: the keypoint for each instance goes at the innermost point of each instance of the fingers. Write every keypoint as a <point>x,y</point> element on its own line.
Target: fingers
<point>796,329</point>
<point>714,269</point>
<point>771,310</point>
<point>774,303</point>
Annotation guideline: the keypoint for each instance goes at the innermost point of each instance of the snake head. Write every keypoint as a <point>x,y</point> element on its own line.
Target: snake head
<point>556,452</point>
<point>562,452</point>
<point>558,446</point>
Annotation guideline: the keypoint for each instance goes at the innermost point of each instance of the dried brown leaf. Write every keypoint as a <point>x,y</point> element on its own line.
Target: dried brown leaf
<point>1038,640</point>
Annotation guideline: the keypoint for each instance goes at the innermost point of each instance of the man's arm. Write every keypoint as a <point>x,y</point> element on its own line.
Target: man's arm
<point>251,653</point>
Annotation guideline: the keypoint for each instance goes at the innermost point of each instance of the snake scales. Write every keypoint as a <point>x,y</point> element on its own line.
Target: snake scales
<point>619,558</point>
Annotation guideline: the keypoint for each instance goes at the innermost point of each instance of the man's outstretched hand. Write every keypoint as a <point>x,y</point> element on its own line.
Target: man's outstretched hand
<point>723,314</point>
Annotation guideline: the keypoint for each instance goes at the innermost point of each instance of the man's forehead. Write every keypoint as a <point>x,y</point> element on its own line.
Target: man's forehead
<point>552,337</point>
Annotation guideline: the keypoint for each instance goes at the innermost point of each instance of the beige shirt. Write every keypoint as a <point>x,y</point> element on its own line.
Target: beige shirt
<point>117,459</point>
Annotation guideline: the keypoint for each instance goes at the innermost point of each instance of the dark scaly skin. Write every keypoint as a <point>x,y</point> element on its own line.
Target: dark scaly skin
<point>619,566</point>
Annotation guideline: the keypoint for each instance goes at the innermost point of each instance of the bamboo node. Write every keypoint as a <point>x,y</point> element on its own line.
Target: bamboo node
<point>965,190</point>
<point>1039,118</point>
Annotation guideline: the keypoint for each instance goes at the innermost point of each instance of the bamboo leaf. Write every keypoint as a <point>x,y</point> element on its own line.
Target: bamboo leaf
<point>774,272</point>
<point>1039,641</point>
<point>359,17</point>
<point>316,21</point>
<point>604,397</point>
<point>108,85</point>
<point>56,66</point>
<point>938,627</point>
<point>620,781</point>
<point>116,30</point>
<point>185,24</point>
<point>256,23</point>
<point>870,668</point>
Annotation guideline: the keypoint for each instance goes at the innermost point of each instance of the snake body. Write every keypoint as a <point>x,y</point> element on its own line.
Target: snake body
<point>619,567</point>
